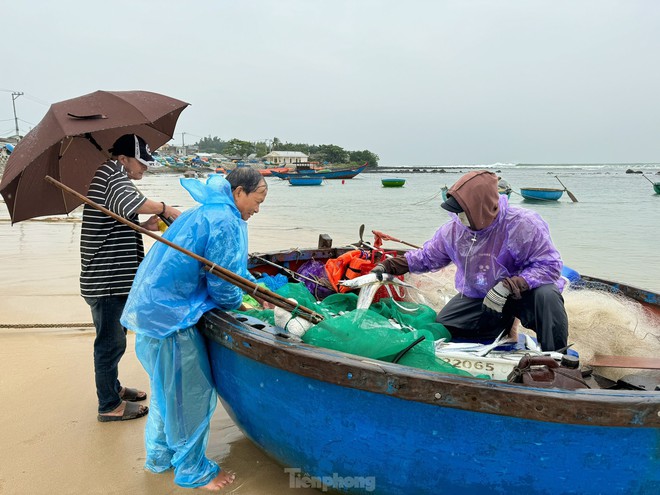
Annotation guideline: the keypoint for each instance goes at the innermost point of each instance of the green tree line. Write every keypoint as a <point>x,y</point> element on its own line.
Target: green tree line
<point>325,153</point>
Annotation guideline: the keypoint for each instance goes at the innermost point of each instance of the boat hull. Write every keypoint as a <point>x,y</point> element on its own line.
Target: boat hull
<point>362,425</point>
<point>393,182</point>
<point>336,174</point>
<point>266,172</point>
<point>305,181</point>
<point>541,194</point>
<point>656,187</point>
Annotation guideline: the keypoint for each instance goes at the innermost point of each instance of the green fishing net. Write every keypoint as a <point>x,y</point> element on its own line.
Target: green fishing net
<point>382,332</point>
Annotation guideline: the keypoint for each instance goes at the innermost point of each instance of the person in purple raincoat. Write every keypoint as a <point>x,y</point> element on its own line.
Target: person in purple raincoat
<point>506,266</point>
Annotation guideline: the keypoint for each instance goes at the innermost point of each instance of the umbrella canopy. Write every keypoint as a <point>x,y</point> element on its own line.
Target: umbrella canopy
<point>71,142</point>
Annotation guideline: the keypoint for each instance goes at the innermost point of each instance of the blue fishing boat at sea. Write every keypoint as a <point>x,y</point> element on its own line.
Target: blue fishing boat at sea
<point>541,193</point>
<point>305,181</point>
<point>359,425</point>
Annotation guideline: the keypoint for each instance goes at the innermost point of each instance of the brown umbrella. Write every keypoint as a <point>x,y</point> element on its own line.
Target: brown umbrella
<point>70,143</point>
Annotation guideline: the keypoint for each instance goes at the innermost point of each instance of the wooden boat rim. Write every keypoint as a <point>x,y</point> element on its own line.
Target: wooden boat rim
<point>264,344</point>
<point>545,189</point>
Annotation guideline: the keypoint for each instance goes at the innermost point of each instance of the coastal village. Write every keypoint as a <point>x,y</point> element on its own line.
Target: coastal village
<point>188,159</point>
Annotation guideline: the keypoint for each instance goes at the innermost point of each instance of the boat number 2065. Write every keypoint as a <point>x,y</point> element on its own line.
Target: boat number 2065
<point>467,364</point>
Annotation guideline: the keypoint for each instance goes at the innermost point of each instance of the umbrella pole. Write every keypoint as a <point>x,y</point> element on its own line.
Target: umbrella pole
<point>246,285</point>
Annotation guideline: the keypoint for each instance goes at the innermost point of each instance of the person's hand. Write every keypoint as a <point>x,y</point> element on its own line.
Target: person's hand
<point>171,213</point>
<point>378,270</point>
<point>151,224</point>
<point>496,299</point>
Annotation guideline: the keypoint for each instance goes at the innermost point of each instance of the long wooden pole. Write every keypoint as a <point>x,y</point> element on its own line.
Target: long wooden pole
<point>640,362</point>
<point>246,285</point>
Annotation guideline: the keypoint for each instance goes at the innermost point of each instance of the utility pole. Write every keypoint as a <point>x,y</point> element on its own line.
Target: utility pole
<point>183,139</point>
<point>14,96</point>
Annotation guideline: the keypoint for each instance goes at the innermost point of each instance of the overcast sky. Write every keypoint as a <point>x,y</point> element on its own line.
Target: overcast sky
<point>417,82</point>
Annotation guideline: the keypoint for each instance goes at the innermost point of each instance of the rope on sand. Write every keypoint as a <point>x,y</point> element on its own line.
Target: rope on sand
<point>46,325</point>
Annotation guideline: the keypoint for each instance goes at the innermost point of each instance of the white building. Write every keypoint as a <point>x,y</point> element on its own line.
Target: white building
<point>286,157</point>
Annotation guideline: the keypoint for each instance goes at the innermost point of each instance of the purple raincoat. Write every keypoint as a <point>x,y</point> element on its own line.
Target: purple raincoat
<point>516,243</point>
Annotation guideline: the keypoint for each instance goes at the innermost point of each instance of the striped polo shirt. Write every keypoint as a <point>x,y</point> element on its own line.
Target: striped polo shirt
<point>110,251</point>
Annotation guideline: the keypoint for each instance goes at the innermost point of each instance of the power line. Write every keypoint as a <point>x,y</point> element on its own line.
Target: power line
<point>37,100</point>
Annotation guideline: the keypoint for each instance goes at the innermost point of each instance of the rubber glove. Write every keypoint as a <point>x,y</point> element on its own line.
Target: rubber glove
<point>496,298</point>
<point>379,269</point>
<point>396,266</point>
<point>517,285</point>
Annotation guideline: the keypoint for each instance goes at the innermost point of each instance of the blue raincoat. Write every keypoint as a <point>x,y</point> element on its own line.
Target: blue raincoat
<point>170,293</point>
<point>517,242</point>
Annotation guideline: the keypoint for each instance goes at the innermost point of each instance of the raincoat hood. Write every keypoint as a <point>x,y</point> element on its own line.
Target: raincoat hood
<point>216,190</point>
<point>477,194</point>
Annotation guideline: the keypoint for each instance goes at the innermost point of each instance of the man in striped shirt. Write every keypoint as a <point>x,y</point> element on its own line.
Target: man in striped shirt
<point>110,254</point>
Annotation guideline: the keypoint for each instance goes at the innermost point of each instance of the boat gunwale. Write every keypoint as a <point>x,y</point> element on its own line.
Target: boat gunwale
<point>265,344</point>
<point>544,189</point>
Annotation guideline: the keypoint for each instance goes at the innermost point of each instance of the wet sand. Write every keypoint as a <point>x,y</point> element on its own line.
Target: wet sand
<point>51,440</point>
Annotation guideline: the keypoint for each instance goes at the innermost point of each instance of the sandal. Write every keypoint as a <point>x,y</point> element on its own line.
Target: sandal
<point>131,411</point>
<point>132,395</point>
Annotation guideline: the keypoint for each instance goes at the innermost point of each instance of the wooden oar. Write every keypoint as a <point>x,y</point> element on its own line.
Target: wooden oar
<point>644,175</point>
<point>244,284</point>
<point>637,362</point>
<point>570,194</point>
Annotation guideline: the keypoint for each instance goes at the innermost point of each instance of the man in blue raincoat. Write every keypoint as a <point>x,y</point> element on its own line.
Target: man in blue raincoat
<point>506,265</point>
<point>170,294</point>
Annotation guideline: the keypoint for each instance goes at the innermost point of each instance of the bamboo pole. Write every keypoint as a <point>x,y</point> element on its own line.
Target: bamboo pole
<point>244,284</point>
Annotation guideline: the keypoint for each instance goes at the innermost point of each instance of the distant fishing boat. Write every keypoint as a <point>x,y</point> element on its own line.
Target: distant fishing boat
<point>541,193</point>
<point>348,173</point>
<point>266,172</point>
<point>305,181</point>
<point>393,182</point>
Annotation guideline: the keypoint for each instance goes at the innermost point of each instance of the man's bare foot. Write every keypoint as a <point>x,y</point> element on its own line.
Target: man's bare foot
<point>222,480</point>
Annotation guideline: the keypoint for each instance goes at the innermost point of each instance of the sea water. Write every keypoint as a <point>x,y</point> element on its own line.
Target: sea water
<point>612,232</point>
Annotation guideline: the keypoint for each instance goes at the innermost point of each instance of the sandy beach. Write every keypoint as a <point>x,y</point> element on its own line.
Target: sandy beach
<point>51,440</point>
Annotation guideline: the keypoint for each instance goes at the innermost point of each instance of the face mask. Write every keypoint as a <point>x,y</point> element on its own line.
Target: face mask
<point>462,216</point>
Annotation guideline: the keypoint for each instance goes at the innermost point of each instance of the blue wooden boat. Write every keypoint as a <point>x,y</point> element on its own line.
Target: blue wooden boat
<point>305,181</point>
<point>335,174</point>
<point>541,193</point>
<point>359,425</point>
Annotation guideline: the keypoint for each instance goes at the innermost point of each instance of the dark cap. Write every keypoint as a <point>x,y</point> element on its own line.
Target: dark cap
<point>133,146</point>
<point>452,205</point>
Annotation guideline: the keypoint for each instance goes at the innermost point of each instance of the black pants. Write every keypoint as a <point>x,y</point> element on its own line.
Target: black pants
<point>540,309</point>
